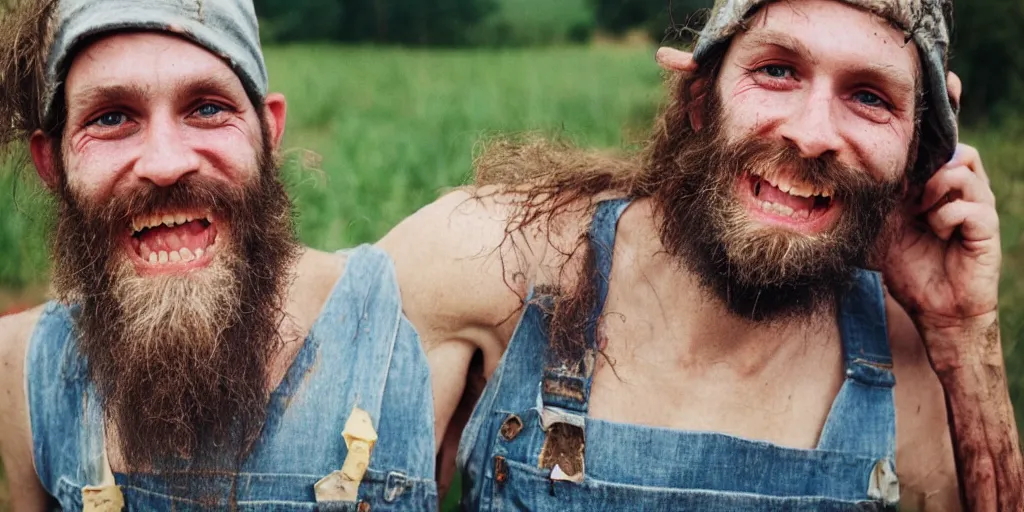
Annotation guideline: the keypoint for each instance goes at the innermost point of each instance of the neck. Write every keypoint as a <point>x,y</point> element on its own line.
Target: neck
<point>311,280</point>
<point>704,330</point>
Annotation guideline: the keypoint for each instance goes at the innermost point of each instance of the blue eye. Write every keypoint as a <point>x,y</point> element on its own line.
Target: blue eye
<point>869,99</point>
<point>776,71</point>
<point>110,119</point>
<point>209,110</point>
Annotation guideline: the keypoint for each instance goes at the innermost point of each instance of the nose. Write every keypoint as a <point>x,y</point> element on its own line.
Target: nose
<point>812,128</point>
<point>165,158</point>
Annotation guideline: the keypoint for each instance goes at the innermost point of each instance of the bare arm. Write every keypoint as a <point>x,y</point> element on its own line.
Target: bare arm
<point>26,491</point>
<point>943,267</point>
<point>463,275</point>
<point>462,296</point>
<point>985,438</point>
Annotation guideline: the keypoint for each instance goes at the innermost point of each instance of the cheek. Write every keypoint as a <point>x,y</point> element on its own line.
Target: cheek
<point>231,153</point>
<point>885,149</point>
<point>748,110</point>
<point>93,170</point>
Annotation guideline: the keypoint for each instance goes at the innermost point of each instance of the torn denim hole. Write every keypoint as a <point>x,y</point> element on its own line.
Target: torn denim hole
<point>500,470</point>
<point>884,484</point>
<point>564,448</point>
<point>105,498</point>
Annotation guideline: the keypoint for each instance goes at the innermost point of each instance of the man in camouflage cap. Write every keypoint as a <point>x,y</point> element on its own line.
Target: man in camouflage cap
<point>775,306</point>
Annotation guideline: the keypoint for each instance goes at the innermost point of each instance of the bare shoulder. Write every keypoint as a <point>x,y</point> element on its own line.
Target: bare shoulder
<point>15,332</point>
<point>924,450</point>
<point>465,262</point>
<point>15,432</point>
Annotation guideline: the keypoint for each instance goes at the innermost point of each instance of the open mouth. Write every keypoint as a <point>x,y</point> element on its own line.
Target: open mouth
<point>782,200</point>
<point>173,240</point>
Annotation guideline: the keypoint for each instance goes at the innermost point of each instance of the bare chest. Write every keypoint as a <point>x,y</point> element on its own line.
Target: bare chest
<point>654,375</point>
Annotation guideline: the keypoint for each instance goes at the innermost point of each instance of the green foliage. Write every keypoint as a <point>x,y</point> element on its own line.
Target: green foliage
<point>986,54</point>
<point>410,22</point>
<point>662,20</point>
<point>535,22</point>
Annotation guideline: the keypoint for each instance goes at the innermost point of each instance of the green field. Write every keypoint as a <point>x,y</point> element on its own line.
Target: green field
<point>394,128</point>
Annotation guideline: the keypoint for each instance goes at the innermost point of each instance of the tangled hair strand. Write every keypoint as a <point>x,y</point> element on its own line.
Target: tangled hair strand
<point>26,32</point>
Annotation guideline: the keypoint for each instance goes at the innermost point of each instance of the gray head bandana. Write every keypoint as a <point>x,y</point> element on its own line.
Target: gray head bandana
<point>227,28</point>
<point>925,22</point>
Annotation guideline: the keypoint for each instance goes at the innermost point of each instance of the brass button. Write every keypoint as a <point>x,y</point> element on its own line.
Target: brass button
<point>511,428</point>
<point>364,506</point>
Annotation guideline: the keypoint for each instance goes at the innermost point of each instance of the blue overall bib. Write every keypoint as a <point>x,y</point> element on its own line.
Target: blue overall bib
<point>361,352</point>
<point>530,402</point>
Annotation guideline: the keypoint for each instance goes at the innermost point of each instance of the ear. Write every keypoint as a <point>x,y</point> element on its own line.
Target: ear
<point>954,87</point>
<point>275,111</point>
<point>696,107</point>
<point>41,148</point>
<point>671,59</point>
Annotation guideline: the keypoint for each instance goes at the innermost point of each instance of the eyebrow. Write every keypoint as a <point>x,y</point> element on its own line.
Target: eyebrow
<point>186,88</point>
<point>871,72</point>
<point>786,42</point>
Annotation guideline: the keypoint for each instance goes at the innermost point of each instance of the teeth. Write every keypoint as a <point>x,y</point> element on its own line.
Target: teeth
<point>199,253</point>
<point>801,191</point>
<point>180,219</point>
<point>152,257</point>
<point>163,257</point>
<point>174,256</point>
<point>778,209</point>
<point>186,255</point>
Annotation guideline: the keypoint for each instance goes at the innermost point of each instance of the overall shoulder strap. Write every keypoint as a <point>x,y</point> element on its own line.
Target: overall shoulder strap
<point>567,386</point>
<point>366,308</point>
<point>66,422</point>
<point>863,417</point>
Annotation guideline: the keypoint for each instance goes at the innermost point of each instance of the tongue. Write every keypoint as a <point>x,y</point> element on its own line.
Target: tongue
<point>192,235</point>
<point>772,194</point>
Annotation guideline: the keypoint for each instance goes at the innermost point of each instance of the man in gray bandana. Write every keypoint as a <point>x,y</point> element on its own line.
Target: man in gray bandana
<point>196,357</point>
<point>776,305</point>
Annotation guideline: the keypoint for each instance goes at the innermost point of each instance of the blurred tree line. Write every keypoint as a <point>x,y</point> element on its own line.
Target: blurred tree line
<point>987,33</point>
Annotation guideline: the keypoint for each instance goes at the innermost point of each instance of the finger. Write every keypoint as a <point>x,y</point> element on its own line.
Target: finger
<point>954,87</point>
<point>952,184</point>
<point>977,222</point>
<point>967,155</point>
<point>671,59</point>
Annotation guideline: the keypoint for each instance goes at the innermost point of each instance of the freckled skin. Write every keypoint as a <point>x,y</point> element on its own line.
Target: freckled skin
<point>817,107</point>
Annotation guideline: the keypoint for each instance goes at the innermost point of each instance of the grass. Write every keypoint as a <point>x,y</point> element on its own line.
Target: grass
<point>394,128</point>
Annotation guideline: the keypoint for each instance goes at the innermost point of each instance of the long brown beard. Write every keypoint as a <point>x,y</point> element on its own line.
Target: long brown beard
<point>180,361</point>
<point>760,273</point>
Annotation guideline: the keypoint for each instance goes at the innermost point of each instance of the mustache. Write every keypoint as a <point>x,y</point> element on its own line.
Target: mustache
<point>191,192</point>
<point>768,158</point>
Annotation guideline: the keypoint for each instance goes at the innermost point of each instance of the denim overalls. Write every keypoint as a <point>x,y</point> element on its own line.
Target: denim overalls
<point>361,352</point>
<point>533,412</point>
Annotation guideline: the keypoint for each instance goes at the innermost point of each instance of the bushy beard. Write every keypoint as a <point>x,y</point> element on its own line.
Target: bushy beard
<point>761,273</point>
<point>179,361</point>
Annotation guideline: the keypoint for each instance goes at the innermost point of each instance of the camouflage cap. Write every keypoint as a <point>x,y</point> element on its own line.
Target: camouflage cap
<point>926,22</point>
<point>227,28</point>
